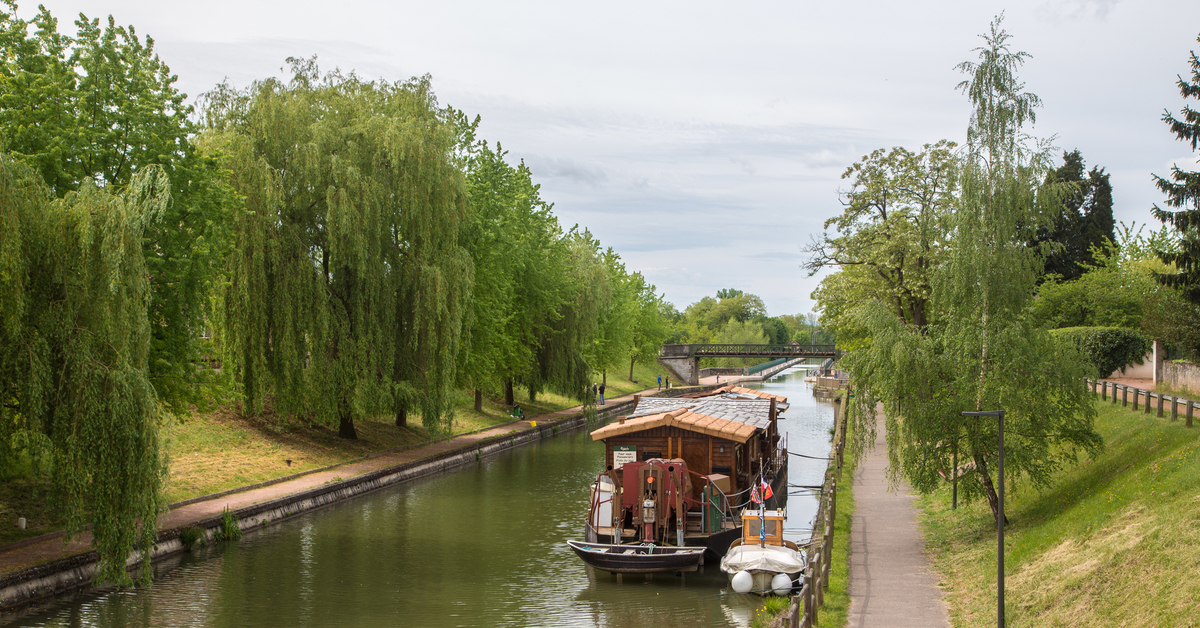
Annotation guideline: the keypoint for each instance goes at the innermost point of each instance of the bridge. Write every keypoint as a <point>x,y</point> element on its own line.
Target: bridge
<point>683,361</point>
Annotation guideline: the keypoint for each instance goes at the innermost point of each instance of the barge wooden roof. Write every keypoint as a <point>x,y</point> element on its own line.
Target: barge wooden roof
<point>725,413</point>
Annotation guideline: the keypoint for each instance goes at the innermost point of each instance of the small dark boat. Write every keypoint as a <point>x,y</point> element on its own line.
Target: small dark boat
<point>640,558</point>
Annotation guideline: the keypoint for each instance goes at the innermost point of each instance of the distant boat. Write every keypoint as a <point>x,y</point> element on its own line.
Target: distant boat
<point>639,558</point>
<point>762,561</point>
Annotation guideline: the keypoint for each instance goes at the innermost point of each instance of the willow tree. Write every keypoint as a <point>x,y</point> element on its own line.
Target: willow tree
<point>348,285</point>
<point>75,396</point>
<point>100,105</point>
<point>983,352</point>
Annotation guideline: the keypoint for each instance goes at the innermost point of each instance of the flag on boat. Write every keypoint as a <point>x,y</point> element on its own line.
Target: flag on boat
<point>766,489</point>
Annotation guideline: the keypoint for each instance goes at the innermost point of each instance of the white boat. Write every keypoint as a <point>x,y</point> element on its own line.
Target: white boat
<point>762,561</point>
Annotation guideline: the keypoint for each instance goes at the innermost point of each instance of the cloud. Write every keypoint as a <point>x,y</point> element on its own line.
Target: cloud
<point>1074,10</point>
<point>564,168</point>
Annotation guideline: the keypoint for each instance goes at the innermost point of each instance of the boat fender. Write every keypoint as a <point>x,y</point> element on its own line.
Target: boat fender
<point>742,581</point>
<point>781,584</point>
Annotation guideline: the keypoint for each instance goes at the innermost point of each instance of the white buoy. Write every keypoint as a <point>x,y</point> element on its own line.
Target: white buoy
<point>742,581</point>
<point>781,584</point>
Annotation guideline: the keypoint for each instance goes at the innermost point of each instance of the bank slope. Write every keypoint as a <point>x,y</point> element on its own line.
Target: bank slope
<point>1114,541</point>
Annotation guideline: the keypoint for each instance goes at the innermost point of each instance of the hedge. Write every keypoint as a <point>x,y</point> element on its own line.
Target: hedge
<point>1107,348</point>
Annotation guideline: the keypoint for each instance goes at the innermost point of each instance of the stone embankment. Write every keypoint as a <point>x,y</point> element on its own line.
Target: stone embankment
<point>35,569</point>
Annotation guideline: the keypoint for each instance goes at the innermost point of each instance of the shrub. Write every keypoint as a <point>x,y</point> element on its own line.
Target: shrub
<point>229,530</point>
<point>192,536</point>
<point>1106,348</point>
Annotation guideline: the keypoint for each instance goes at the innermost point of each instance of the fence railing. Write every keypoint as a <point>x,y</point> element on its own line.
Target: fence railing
<point>805,606</point>
<point>1103,387</point>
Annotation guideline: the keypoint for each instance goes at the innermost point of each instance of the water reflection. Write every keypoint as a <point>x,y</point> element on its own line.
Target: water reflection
<point>484,546</point>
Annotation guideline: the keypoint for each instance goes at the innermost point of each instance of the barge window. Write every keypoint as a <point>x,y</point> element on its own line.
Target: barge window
<point>648,455</point>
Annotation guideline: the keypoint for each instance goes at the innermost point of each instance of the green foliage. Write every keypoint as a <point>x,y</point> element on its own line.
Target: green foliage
<point>742,333</point>
<point>229,530</point>
<point>101,106</point>
<point>1108,294</point>
<point>349,288</point>
<point>1108,349</point>
<point>1183,194</point>
<point>74,346</point>
<point>772,607</point>
<point>192,537</point>
<point>982,351</point>
<point>1084,220</point>
<point>893,230</point>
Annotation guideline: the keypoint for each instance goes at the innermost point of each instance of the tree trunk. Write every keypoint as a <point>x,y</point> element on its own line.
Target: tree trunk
<point>508,394</point>
<point>604,377</point>
<point>478,400</point>
<point>988,487</point>
<point>402,417</point>
<point>346,429</point>
<point>631,361</point>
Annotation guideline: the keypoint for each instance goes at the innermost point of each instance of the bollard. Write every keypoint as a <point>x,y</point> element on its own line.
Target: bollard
<point>21,523</point>
<point>1174,408</point>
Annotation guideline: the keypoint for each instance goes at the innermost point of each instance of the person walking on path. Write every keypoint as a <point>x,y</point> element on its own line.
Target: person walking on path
<point>660,382</point>
<point>891,583</point>
<point>601,393</point>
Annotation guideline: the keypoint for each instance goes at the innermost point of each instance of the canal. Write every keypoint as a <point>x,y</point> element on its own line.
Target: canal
<point>483,546</point>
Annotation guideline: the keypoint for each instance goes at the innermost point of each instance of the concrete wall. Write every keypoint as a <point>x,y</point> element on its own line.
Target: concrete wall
<point>1145,370</point>
<point>1181,376</point>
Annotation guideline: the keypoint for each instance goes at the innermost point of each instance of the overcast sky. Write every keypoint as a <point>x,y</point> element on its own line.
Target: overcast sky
<point>704,141</point>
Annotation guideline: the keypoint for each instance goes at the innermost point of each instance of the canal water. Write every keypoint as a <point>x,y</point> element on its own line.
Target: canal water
<point>482,546</point>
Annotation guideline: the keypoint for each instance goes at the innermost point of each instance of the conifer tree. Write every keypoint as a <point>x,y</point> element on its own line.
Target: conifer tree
<point>1183,194</point>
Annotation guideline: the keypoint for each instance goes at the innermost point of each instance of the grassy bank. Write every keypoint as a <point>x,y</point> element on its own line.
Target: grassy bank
<point>218,451</point>
<point>1113,541</point>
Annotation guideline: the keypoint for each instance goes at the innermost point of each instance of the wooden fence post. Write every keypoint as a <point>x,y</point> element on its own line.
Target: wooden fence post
<point>1124,396</point>
<point>1148,395</point>
<point>1160,402</point>
<point>1103,390</point>
<point>1189,413</point>
<point>1174,408</point>
<point>1136,394</point>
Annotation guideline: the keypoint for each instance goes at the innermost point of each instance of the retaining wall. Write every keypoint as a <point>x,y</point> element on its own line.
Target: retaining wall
<point>1183,376</point>
<point>59,576</point>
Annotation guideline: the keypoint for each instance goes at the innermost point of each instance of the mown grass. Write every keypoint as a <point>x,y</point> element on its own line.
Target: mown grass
<point>221,450</point>
<point>1113,541</point>
<point>836,610</point>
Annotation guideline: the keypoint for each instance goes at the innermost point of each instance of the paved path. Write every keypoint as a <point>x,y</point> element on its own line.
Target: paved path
<point>16,558</point>
<point>891,583</point>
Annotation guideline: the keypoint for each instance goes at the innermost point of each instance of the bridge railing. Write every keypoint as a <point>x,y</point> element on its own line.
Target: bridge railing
<point>748,350</point>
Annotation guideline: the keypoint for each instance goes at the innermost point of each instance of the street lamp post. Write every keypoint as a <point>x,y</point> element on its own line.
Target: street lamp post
<point>999,414</point>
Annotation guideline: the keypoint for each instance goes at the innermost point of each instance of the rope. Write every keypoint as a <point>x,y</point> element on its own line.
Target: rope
<point>809,457</point>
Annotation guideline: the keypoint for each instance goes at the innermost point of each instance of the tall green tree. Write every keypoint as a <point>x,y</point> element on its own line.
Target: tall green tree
<point>516,245</point>
<point>894,226</point>
<point>1084,222</point>
<point>349,285</point>
<point>651,324</point>
<point>98,107</point>
<point>74,345</point>
<point>983,352</point>
<point>1183,194</point>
